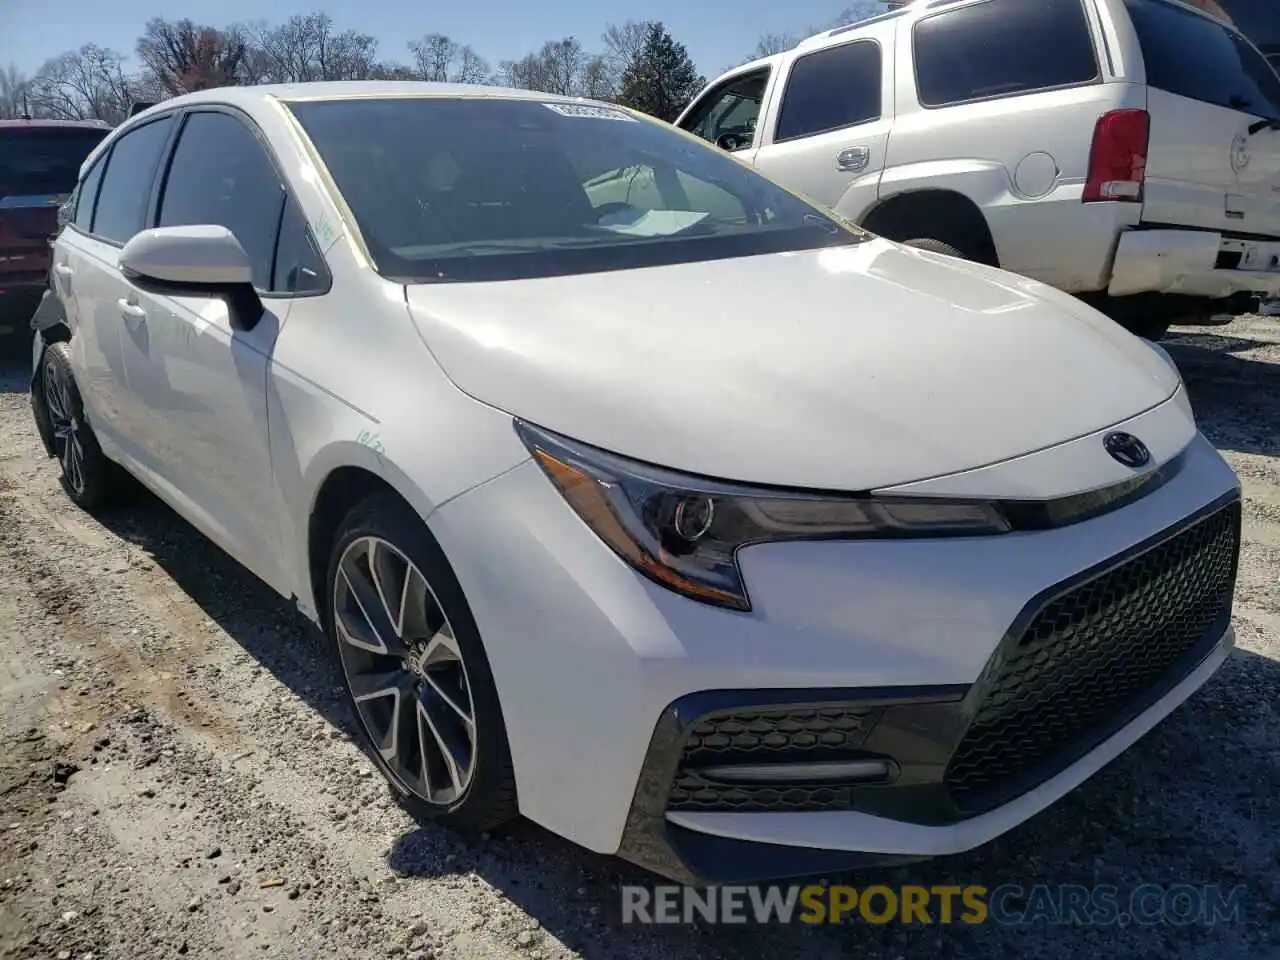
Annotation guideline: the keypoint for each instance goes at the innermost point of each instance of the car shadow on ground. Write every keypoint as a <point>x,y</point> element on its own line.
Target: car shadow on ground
<point>1236,399</point>
<point>1152,798</point>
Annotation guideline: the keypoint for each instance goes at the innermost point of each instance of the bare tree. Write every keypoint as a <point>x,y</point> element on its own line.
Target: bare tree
<point>862,10</point>
<point>305,48</point>
<point>622,45</point>
<point>527,73</point>
<point>13,87</point>
<point>598,81</point>
<point>439,59</point>
<point>564,62</point>
<point>385,70</point>
<point>772,43</point>
<point>472,68</point>
<point>85,84</point>
<point>348,55</point>
<point>184,56</point>
<point>434,56</point>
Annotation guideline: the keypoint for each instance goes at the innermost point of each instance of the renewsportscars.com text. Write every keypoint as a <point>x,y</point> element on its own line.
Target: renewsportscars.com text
<point>1010,904</point>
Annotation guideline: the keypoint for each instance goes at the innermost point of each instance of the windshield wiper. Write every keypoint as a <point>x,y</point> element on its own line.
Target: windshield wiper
<point>1259,126</point>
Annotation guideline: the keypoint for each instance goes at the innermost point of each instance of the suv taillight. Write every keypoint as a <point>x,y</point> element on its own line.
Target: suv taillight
<point>1118,157</point>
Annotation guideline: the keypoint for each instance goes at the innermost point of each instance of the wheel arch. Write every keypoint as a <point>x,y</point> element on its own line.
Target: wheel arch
<point>341,489</point>
<point>942,214</point>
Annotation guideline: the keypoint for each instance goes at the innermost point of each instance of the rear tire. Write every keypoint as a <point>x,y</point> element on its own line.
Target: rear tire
<point>88,477</point>
<point>415,669</point>
<point>937,246</point>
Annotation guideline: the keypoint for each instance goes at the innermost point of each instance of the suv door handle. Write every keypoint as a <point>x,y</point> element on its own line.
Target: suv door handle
<point>854,159</point>
<point>62,270</point>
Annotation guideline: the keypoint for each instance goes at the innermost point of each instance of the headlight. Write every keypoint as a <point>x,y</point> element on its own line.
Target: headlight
<point>684,532</point>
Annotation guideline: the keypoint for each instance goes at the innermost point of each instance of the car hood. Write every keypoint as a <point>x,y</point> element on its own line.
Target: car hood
<point>847,368</point>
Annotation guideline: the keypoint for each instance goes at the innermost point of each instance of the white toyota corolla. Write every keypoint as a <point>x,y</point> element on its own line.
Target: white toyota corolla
<point>637,495</point>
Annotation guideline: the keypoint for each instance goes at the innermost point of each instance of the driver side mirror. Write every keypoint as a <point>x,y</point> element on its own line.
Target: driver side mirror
<point>198,260</point>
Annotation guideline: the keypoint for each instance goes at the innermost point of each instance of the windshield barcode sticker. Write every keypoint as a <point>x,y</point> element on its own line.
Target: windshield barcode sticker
<point>590,112</point>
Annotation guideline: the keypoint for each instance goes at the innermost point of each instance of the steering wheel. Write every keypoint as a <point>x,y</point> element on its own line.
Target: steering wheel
<point>730,141</point>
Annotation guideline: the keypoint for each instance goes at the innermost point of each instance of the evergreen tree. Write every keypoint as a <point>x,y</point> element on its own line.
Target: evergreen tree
<point>662,79</point>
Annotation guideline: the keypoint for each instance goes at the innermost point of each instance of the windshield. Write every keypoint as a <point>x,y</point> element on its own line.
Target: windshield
<point>491,189</point>
<point>44,161</point>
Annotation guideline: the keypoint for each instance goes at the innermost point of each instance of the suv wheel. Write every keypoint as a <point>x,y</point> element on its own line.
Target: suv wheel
<point>937,246</point>
<point>416,670</point>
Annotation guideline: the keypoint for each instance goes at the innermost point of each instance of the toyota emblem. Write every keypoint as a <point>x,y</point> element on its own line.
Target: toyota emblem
<point>1127,449</point>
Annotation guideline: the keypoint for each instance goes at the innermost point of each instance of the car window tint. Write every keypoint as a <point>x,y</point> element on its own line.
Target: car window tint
<point>299,267</point>
<point>1002,48</point>
<point>728,116</point>
<point>87,194</point>
<point>125,193</point>
<point>1192,56</point>
<point>832,88</point>
<point>221,175</point>
<point>44,161</point>
<point>446,190</point>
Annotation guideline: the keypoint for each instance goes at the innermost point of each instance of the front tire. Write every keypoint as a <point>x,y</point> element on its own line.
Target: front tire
<point>87,476</point>
<point>415,669</point>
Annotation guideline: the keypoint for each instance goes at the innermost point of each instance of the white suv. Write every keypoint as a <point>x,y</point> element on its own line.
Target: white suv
<point>1125,151</point>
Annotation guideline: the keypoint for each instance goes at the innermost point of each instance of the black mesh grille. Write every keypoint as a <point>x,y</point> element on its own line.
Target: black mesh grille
<point>693,793</point>
<point>792,734</point>
<point>1093,657</point>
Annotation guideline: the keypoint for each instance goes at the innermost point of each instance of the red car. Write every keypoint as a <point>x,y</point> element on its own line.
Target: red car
<point>39,165</point>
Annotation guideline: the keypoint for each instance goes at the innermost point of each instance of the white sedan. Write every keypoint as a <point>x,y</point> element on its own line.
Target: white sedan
<point>637,495</point>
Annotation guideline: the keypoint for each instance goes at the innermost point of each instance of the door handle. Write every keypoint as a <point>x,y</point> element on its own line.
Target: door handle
<point>132,313</point>
<point>854,159</point>
<point>62,270</point>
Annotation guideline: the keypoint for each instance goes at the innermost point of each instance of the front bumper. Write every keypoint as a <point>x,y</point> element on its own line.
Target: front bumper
<point>588,656</point>
<point>1195,263</point>
<point>1084,671</point>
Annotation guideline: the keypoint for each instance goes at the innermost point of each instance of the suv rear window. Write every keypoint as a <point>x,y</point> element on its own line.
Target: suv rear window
<point>44,161</point>
<point>1002,48</point>
<point>1190,55</point>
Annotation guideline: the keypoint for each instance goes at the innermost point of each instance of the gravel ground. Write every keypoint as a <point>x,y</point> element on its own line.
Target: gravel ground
<point>177,775</point>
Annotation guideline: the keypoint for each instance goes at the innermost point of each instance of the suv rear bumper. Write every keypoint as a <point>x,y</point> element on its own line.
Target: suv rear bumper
<point>1194,263</point>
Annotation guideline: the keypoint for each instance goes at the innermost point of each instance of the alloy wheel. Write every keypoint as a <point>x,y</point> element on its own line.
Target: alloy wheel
<point>67,442</point>
<point>405,670</point>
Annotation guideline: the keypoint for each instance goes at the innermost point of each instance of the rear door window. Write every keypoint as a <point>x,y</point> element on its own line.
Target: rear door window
<point>40,161</point>
<point>125,195</point>
<point>832,88</point>
<point>87,196</point>
<point>1002,48</point>
<point>1191,55</point>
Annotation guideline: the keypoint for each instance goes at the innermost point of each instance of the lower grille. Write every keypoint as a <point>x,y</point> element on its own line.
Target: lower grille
<point>1092,658</point>
<point>787,735</point>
